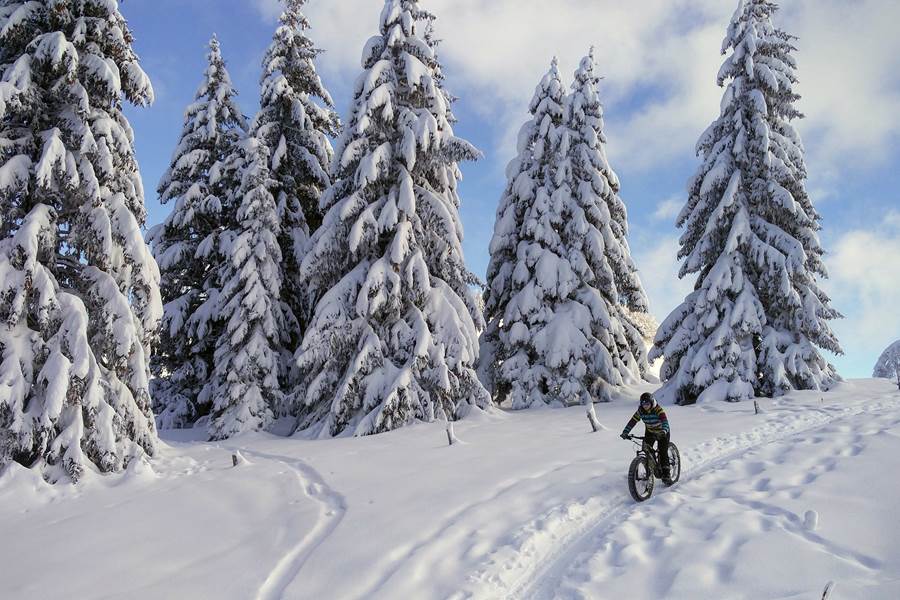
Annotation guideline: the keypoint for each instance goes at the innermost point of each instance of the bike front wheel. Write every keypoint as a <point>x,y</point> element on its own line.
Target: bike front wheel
<point>674,465</point>
<point>640,479</point>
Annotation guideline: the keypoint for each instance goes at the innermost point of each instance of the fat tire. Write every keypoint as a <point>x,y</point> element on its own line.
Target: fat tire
<point>674,465</point>
<point>632,479</point>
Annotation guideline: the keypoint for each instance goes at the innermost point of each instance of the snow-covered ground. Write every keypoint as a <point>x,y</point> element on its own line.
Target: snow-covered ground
<point>527,505</point>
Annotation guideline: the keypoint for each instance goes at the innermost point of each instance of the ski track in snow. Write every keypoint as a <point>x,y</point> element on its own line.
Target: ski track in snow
<point>333,507</point>
<point>538,574</point>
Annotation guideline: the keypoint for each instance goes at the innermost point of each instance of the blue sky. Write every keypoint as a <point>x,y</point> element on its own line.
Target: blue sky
<point>660,65</point>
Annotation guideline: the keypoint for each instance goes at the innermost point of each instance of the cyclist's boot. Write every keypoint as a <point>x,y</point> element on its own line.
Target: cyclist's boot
<point>667,475</point>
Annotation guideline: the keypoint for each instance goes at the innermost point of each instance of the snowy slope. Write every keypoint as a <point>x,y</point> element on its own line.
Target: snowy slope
<point>528,505</point>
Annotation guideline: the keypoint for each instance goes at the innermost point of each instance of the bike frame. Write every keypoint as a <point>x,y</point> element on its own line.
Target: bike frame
<point>647,452</point>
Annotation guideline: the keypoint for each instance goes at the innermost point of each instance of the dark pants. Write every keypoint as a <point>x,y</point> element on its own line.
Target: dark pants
<point>662,442</point>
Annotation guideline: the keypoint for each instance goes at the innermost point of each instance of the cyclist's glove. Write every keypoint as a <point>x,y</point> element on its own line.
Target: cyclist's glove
<point>624,435</point>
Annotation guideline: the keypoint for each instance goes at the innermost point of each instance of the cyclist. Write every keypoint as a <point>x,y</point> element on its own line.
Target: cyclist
<point>656,426</point>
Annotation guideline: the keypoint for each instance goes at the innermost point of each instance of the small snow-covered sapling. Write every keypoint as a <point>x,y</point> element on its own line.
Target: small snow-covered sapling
<point>451,435</point>
<point>592,417</point>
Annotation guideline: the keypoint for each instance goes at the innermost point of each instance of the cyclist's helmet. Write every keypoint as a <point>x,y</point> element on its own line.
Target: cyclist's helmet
<point>647,400</point>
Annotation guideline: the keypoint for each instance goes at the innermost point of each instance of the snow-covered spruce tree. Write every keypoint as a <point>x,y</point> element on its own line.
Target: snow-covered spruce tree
<point>753,324</point>
<point>586,119</point>
<point>295,119</point>
<point>79,290</point>
<point>561,278</point>
<point>186,246</point>
<point>596,189</point>
<point>529,176</point>
<point>250,351</point>
<point>888,364</point>
<point>394,336</point>
<point>561,324</point>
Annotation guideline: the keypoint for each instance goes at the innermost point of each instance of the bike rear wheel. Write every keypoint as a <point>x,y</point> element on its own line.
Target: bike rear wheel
<point>640,479</point>
<point>674,465</point>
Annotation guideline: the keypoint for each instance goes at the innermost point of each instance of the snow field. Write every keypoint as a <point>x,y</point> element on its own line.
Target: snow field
<point>746,523</point>
<point>194,528</point>
<point>527,505</point>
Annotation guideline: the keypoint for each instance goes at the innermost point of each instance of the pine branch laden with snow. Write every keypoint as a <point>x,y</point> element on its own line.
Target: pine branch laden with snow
<point>248,355</point>
<point>187,247</point>
<point>888,365</point>
<point>295,121</point>
<point>559,327</point>
<point>394,335</point>
<point>757,318</point>
<point>79,290</point>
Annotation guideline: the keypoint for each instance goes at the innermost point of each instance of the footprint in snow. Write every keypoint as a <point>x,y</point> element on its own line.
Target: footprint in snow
<point>811,520</point>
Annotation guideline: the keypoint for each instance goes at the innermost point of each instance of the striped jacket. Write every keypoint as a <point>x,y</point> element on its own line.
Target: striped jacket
<point>655,419</point>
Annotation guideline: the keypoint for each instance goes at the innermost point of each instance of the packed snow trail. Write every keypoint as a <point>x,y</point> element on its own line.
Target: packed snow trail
<point>422,558</point>
<point>719,519</point>
<point>333,506</point>
<point>714,470</point>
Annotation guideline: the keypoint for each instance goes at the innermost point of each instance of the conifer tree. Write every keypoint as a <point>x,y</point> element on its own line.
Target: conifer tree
<point>596,188</point>
<point>558,324</point>
<point>394,336</point>
<point>586,111</point>
<point>295,120</point>
<point>530,176</point>
<point>187,247</point>
<point>79,290</point>
<point>757,316</point>
<point>248,355</point>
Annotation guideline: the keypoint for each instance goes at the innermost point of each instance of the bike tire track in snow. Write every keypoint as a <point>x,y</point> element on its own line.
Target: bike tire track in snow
<point>545,571</point>
<point>333,507</point>
<point>428,542</point>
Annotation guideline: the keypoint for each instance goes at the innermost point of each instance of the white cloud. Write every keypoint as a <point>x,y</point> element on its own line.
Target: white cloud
<point>865,285</point>
<point>501,53</point>
<point>341,28</point>
<point>668,209</point>
<point>269,9</point>
<point>656,260</point>
<point>849,70</point>
<point>660,63</point>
